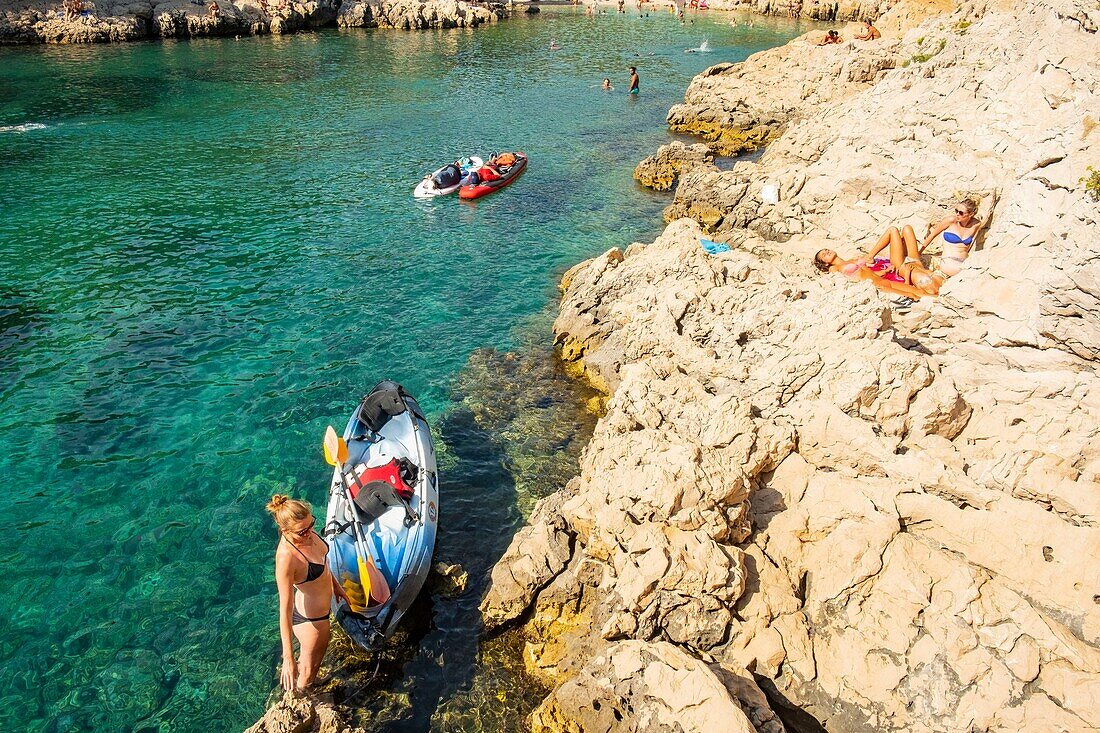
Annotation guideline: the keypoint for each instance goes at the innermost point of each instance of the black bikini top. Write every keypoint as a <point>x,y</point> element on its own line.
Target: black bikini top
<point>314,570</point>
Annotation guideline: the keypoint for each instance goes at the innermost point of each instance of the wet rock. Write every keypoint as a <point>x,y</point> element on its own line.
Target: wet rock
<point>659,171</point>
<point>447,580</point>
<point>303,714</point>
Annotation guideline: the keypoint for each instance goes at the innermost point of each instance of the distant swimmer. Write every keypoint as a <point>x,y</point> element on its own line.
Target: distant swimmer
<point>607,85</point>
<point>633,80</point>
<point>554,45</point>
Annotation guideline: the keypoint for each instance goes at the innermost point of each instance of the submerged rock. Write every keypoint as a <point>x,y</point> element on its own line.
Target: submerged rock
<point>447,580</point>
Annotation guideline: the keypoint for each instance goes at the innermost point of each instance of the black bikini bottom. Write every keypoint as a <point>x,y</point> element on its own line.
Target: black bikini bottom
<point>297,618</point>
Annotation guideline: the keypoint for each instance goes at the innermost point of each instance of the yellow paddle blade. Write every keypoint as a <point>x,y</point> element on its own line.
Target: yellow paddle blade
<point>364,578</point>
<point>377,587</point>
<point>336,450</point>
<point>357,598</point>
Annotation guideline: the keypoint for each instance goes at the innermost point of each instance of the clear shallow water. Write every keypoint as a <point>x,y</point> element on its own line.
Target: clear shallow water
<point>208,252</point>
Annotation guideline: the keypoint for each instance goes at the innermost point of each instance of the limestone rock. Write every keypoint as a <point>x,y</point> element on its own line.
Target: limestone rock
<point>537,554</point>
<point>302,714</point>
<point>659,171</point>
<point>739,107</point>
<point>417,14</point>
<point>635,686</point>
<point>884,517</point>
<point>40,21</point>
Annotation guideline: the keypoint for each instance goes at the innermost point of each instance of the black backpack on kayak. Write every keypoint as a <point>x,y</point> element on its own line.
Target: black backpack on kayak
<point>447,176</point>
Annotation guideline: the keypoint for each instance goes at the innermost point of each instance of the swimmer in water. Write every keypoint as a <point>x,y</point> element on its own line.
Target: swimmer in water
<point>607,85</point>
<point>554,45</point>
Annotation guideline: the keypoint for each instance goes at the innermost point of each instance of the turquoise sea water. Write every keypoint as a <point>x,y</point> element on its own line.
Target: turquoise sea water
<point>208,252</point>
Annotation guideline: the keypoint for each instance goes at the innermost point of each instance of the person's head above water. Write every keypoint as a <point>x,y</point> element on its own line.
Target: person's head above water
<point>606,83</point>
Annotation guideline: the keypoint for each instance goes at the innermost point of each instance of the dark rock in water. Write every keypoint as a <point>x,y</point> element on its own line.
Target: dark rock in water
<point>447,580</point>
<point>535,410</point>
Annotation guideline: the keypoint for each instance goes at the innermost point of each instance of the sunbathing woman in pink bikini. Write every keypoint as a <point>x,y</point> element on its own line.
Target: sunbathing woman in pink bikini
<point>827,260</point>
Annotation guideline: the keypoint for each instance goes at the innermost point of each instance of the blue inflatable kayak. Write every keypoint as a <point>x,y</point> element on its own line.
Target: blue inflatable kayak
<point>383,514</point>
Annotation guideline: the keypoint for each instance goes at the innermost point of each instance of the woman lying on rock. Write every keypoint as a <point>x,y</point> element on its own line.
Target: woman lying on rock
<point>909,279</point>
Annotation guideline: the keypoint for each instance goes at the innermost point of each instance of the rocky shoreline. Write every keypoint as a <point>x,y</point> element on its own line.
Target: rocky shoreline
<point>803,507</point>
<point>107,21</point>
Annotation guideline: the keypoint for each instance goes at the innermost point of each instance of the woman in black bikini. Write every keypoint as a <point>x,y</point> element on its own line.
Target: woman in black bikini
<point>300,566</point>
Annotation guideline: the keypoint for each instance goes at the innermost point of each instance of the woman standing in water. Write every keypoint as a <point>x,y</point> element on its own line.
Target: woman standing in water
<point>306,587</point>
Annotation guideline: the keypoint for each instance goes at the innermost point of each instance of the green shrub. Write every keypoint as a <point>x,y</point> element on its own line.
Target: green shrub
<point>920,58</point>
<point>1092,183</point>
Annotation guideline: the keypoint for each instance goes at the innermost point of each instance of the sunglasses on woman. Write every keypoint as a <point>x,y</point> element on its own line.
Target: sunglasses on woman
<point>301,532</point>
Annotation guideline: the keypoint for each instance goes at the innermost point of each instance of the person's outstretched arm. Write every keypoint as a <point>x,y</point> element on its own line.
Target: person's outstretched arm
<point>935,232</point>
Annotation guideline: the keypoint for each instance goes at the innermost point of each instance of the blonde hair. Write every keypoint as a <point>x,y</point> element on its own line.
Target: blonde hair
<point>970,204</point>
<point>286,511</point>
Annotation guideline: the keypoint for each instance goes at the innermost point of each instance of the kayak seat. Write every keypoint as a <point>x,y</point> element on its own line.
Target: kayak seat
<point>377,498</point>
<point>375,490</point>
<point>383,402</point>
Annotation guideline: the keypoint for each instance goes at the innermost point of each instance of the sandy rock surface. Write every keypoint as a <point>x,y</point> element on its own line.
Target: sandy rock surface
<point>890,517</point>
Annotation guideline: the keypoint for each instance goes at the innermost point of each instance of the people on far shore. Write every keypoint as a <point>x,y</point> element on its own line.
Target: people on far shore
<point>633,80</point>
<point>869,32</point>
<point>73,9</point>
<point>830,38</point>
<point>215,10</point>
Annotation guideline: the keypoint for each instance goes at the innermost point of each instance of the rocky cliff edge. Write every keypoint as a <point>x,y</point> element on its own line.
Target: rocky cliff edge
<point>886,520</point>
<point>104,21</point>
